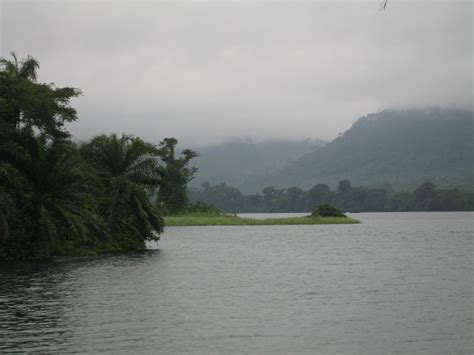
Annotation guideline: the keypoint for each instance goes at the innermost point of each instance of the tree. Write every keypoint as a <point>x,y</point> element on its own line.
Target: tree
<point>126,168</point>
<point>175,174</point>
<point>7,205</point>
<point>295,199</point>
<point>225,198</point>
<point>9,178</point>
<point>268,194</point>
<point>54,197</point>
<point>344,186</point>
<point>318,194</point>
<point>26,103</point>
<point>425,191</point>
<point>424,196</point>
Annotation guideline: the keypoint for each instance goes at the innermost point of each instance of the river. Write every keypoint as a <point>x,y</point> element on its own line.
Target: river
<point>398,282</point>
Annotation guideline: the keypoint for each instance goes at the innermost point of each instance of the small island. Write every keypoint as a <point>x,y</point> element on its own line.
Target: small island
<point>232,220</point>
<point>325,214</point>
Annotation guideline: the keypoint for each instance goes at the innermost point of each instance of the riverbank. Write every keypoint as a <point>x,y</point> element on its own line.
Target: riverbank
<point>232,220</point>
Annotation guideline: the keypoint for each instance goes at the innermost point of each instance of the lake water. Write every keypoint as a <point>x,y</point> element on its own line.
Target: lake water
<point>398,282</point>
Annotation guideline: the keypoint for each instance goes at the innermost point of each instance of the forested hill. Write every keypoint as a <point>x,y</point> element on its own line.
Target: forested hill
<point>244,162</point>
<point>400,149</point>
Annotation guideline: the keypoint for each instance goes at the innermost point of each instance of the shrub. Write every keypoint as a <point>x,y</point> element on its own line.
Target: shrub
<point>326,210</point>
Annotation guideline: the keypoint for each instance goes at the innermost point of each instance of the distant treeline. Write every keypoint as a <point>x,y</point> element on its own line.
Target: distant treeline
<point>352,199</point>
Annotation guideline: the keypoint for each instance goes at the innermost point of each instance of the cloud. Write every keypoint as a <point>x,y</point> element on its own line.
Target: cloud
<point>206,71</point>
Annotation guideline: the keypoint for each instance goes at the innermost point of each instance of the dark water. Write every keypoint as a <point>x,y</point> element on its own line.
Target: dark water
<point>399,282</point>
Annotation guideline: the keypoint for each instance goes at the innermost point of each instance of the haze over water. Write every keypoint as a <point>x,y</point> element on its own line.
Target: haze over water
<point>398,282</point>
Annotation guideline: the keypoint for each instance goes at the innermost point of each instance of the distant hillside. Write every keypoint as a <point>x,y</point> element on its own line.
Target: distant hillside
<point>241,162</point>
<point>401,149</point>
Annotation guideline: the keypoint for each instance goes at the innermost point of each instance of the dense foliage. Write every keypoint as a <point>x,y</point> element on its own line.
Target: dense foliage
<point>126,172</point>
<point>354,199</point>
<point>175,173</point>
<point>57,198</point>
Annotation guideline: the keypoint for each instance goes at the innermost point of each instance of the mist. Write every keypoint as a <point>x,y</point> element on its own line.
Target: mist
<point>204,72</point>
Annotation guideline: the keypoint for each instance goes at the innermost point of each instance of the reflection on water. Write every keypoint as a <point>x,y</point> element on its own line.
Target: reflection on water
<point>398,282</point>
<point>41,303</point>
<point>31,304</point>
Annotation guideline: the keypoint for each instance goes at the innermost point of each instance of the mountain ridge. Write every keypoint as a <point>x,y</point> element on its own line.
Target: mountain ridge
<point>396,148</point>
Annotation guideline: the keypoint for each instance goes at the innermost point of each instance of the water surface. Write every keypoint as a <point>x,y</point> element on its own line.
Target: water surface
<point>398,282</point>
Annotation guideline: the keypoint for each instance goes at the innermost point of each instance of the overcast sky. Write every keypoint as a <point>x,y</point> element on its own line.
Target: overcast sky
<point>206,71</point>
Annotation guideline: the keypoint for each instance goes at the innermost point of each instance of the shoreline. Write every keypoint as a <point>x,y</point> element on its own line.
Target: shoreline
<point>232,220</point>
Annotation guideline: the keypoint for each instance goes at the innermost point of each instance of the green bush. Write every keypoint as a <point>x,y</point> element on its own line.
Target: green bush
<point>326,210</point>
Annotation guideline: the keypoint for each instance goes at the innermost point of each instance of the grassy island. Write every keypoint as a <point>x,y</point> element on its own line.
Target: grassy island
<point>232,220</point>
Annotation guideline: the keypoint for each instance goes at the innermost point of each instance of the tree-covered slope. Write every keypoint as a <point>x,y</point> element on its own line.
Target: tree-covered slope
<point>398,148</point>
<point>243,162</point>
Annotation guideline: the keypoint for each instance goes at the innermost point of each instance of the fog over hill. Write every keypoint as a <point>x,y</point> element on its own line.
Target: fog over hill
<point>398,149</point>
<point>242,162</point>
<point>393,148</point>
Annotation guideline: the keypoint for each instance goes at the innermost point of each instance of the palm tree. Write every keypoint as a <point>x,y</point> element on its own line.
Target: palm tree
<point>10,185</point>
<point>26,69</point>
<point>127,168</point>
<point>10,179</point>
<point>55,201</point>
<point>7,207</point>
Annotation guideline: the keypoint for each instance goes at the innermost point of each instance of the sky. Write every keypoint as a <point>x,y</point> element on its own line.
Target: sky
<point>204,72</point>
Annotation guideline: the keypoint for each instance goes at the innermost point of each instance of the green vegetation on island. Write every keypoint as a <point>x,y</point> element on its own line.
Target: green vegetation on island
<point>233,220</point>
<point>326,210</point>
<point>203,214</point>
<point>206,215</point>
